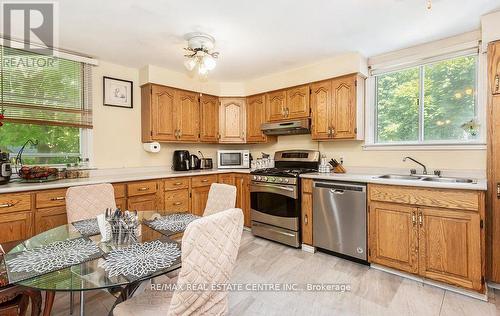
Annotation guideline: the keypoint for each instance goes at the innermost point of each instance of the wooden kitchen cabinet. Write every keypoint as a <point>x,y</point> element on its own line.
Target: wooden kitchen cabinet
<point>450,247</point>
<point>226,178</point>
<point>394,236</point>
<point>187,112</point>
<point>158,119</point>
<point>199,196</point>
<point>242,183</point>
<point>177,201</point>
<point>256,116</point>
<point>209,118</point>
<point>232,120</point>
<point>48,218</point>
<point>494,67</point>
<point>307,212</point>
<point>435,233</point>
<point>142,203</point>
<point>275,105</point>
<point>16,226</point>
<point>337,108</point>
<point>297,102</point>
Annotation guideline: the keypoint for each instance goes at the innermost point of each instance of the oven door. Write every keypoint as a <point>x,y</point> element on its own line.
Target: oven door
<point>277,200</point>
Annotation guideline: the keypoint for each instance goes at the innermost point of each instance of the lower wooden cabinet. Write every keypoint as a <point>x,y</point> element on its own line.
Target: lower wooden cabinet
<point>121,203</point>
<point>307,216</point>
<point>142,203</point>
<point>48,218</point>
<point>226,178</point>
<point>242,183</point>
<point>199,196</point>
<point>442,244</point>
<point>17,226</point>
<point>177,201</point>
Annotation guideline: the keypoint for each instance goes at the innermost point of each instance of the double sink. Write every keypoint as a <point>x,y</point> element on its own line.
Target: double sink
<point>426,178</point>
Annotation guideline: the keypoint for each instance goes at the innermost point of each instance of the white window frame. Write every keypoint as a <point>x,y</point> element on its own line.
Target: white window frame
<point>371,108</point>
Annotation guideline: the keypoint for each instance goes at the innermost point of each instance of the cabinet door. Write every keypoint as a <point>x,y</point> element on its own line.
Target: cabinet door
<point>209,118</point>
<point>232,120</point>
<point>48,218</point>
<point>187,113</point>
<point>297,102</point>
<point>494,67</point>
<point>227,178</point>
<point>256,115</point>
<point>242,183</point>
<point>344,107</point>
<point>393,236</point>
<point>17,226</point>
<point>450,247</point>
<point>142,203</point>
<point>321,106</point>
<point>177,201</point>
<point>121,203</point>
<point>199,198</point>
<point>162,113</point>
<point>276,104</point>
<point>307,232</point>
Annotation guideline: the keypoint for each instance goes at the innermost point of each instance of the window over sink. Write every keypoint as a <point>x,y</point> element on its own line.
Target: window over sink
<point>432,102</point>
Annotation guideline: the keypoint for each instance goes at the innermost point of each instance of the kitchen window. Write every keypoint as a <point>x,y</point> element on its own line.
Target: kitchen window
<point>434,102</point>
<point>45,99</point>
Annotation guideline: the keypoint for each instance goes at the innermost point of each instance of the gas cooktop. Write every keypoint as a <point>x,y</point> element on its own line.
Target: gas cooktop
<point>283,172</point>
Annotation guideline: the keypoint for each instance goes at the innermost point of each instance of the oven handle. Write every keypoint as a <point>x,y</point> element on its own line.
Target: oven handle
<point>271,188</point>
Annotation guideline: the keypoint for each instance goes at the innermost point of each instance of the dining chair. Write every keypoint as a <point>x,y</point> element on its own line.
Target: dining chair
<point>209,250</point>
<point>220,197</point>
<point>15,299</point>
<point>88,201</point>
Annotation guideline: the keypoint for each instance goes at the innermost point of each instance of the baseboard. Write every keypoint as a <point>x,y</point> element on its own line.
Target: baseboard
<point>451,288</point>
<point>248,229</point>
<point>308,248</point>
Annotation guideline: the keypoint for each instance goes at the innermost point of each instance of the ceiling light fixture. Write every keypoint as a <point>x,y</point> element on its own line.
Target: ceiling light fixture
<point>200,57</point>
<point>429,4</point>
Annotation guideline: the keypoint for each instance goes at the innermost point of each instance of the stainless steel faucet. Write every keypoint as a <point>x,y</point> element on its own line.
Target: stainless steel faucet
<point>417,162</point>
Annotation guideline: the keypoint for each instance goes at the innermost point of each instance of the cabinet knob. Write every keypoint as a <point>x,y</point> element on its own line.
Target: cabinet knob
<point>143,189</point>
<point>497,83</point>
<point>177,203</point>
<point>58,198</point>
<point>6,205</point>
<point>420,219</point>
<point>306,220</point>
<point>414,218</point>
<point>178,183</point>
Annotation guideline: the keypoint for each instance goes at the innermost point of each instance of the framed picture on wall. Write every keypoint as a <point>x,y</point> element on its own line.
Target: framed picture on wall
<point>118,92</point>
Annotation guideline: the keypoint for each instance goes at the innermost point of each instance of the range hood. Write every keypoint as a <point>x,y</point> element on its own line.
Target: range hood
<point>293,127</point>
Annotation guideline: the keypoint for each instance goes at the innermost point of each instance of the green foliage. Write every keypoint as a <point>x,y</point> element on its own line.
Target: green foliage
<point>449,101</point>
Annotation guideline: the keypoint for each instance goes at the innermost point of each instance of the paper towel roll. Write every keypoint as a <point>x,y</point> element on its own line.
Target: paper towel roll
<point>153,147</point>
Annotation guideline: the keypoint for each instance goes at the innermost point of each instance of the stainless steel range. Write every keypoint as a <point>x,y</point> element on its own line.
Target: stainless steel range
<point>275,196</point>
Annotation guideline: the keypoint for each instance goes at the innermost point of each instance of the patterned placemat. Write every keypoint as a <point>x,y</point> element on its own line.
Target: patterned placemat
<point>52,257</point>
<point>140,260</point>
<point>87,227</point>
<point>171,224</point>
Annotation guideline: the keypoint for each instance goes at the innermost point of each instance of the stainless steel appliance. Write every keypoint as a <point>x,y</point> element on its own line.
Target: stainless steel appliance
<point>205,163</point>
<point>194,162</point>
<point>5,168</point>
<point>180,161</point>
<point>301,126</point>
<point>275,196</point>
<point>233,159</point>
<point>339,212</point>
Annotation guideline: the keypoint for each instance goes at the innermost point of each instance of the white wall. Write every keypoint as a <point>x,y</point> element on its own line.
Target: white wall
<point>490,27</point>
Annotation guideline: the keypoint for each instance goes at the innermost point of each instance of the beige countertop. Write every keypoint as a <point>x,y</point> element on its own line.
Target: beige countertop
<point>113,176</point>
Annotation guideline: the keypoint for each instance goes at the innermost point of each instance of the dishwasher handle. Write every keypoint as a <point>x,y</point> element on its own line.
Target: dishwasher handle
<point>340,188</point>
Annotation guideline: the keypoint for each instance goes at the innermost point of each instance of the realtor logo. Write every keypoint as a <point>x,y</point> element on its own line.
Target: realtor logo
<point>30,26</point>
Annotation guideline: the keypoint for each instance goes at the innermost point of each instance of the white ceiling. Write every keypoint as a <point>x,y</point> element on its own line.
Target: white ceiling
<point>258,37</point>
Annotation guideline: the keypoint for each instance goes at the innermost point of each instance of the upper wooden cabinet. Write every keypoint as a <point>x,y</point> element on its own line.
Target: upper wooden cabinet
<point>232,120</point>
<point>169,114</point>
<point>494,67</point>
<point>209,118</point>
<point>256,115</point>
<point>338,108</point>
<point>276,104</point>
<point>297,102</point>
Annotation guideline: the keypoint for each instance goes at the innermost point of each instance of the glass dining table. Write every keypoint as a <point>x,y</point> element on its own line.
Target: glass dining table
<point>91,274</point>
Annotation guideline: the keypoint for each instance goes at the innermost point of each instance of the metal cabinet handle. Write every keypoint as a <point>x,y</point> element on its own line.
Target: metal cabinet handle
<point>6,205</point>
<point>329,131</point>
<point>420,219</point>
<point>204,180</point>
<point>414,218</point>
<point>498,190</point>
<point>143,189</point>
<point>178,183</point>
<point>333,131</point>
<point>59,198</point>
<point>497,83</point>
<point>306,220</point>
<point>180,133</point>
<point>177,203</point>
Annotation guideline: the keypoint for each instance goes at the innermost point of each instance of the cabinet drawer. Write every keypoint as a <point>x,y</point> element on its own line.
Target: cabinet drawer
<point>16,226</point>
<point>177,201</point>
<point>141,188</point>
<point>202,181</point>
<point>49,218</point>
<point>119,190</point>
<point>15,202</point>
<point>445,198</point>
<point>176,183</point>
<point>51,198</point>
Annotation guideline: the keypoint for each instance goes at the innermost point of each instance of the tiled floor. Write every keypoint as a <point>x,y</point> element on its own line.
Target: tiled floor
<point>372,292</point>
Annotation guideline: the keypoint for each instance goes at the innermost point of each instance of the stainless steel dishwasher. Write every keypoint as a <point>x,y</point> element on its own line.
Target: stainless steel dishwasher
<point>339,219</point>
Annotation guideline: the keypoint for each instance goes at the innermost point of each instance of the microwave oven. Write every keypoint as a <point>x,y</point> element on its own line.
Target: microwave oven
<point>233,159</point>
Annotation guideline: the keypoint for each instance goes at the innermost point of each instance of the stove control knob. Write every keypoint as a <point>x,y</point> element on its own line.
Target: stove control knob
<point>271,179</point>
<point>279,179</point>
<point>285,180</point>
<point>258,178</point>
<point>254,178</point>
<point>264,178</point>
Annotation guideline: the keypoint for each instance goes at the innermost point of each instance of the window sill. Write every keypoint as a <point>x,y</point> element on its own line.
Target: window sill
<point>424,147</point>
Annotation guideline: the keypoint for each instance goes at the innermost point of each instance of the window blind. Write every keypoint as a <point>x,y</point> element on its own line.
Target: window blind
<point>45,90</point>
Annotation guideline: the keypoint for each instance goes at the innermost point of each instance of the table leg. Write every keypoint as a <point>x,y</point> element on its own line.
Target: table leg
<point>49,302</point>
<point>82,303</point>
